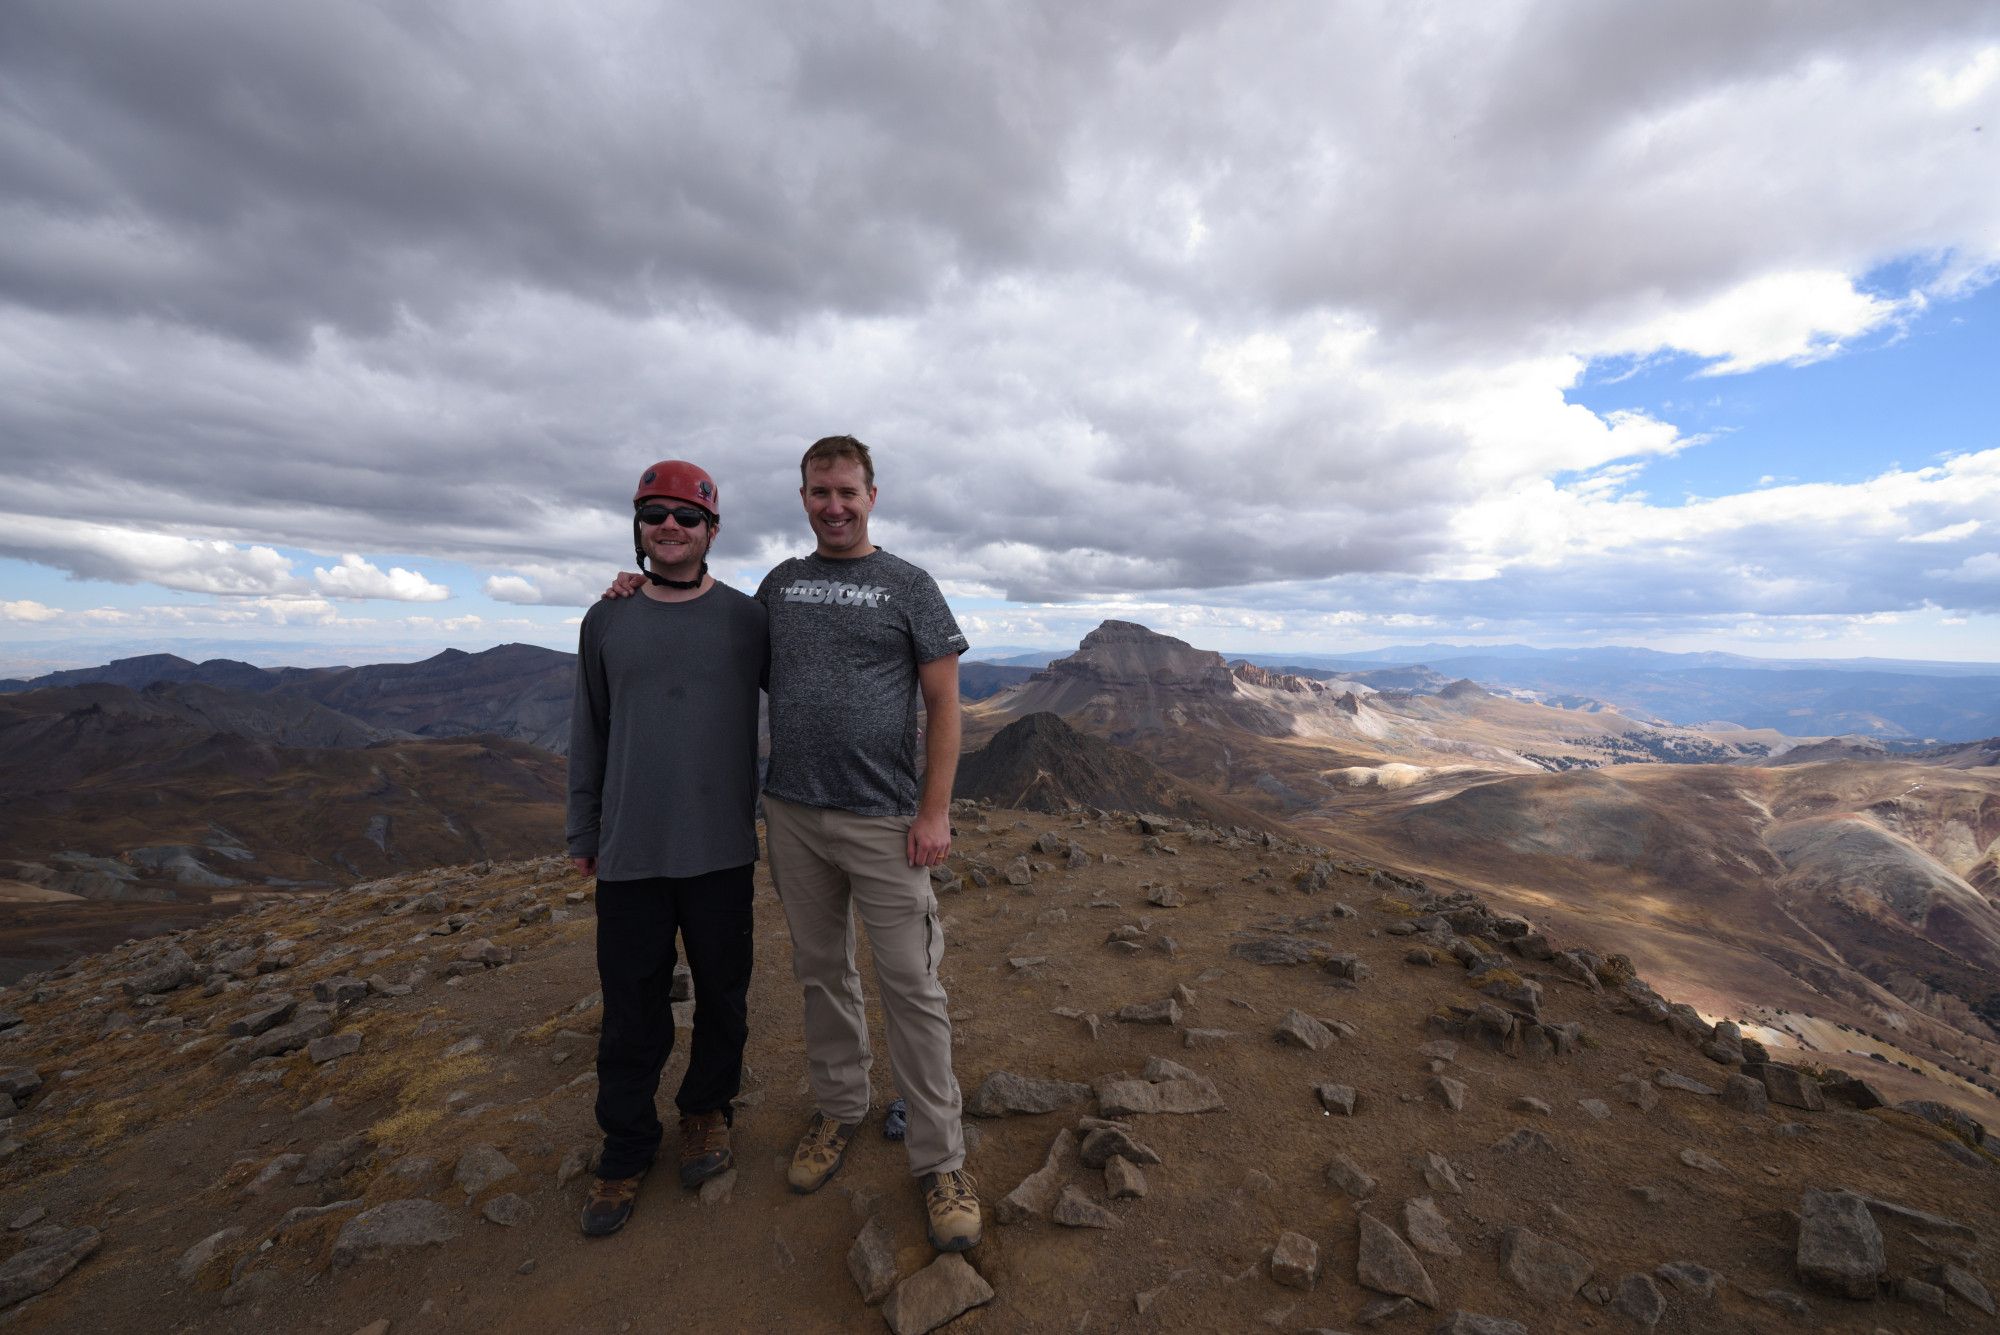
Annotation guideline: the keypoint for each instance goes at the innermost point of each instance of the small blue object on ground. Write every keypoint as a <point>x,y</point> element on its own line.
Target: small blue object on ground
<point>896,1121</point>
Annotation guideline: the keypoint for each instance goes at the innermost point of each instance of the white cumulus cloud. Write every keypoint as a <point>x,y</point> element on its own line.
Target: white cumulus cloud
<point>357,578</point>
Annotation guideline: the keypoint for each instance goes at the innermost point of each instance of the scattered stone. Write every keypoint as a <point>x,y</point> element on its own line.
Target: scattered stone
<point>274,1012</point>
<point>1385,1263</point>
<point>1166,1011</point>
<point>1545,1270</point>
<point>1280,950</point>
<point>334,1158</point>
<point>340,990</point>
<point>872,1262</point>
<point>1336,1098</point>
<point>334,1046</point>
<point>934,1295</point>
<point>196,1258</point>
<point>1597,1109</point>
<point>1076,1210</point>
<point>1921,1294</point>
<point>268,1176</point>
<point>479,1167</point>
<point>508,1210</point>
<point>1347,968</point>
<point>1789,1086</point>
<point>171,970</point>
<point>42,1265</point>
<point>1640,1299</point>
<point>1638,1092</point>
<point>1165,897</point>
<point>1529,1103</point>
<point>1102,1142</point>
<point>1448,1091</point>
<point>1786,1301</point>
<point>1421,956</point>
<point>1206,1038</point>
<point>1922,1219</point>
<point>1036,1195</point>
<point>1346,1175</point>
<point>287,1038</point>
<point>1003,1093</point>
<point>1666,1079</point>
<point>393,1226</point>
<point>1439,1175</point>
<point>1122,1179</point>
<point>1427,1228</point>
<point>1694,1158</point>
<point>1295,1261</point>
<point>28,1218</point>
<point>1963,1283</point>
<point>1524,1140</point>
<point>1840,1247</point>
<point>1745,1094</point>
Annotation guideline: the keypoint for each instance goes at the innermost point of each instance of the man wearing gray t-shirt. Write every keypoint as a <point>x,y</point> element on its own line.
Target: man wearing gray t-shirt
<point>857,635</point>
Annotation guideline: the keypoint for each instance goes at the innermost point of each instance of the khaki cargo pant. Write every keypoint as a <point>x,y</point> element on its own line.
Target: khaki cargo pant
<point>829,866</point>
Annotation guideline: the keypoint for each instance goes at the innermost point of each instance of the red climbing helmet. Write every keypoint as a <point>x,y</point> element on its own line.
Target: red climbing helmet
<point>675,479</point>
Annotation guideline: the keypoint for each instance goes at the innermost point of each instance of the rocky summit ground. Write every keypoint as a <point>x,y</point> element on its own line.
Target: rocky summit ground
<point>1214,1081</point>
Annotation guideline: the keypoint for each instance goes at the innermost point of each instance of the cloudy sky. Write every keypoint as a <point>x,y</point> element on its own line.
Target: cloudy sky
<point>341,332</point>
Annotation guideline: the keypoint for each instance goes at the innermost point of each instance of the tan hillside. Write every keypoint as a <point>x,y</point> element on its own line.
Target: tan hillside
<point>1399,1092</point>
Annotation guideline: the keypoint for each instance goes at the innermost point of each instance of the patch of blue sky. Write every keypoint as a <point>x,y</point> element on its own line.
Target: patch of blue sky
<point>1903,397</point>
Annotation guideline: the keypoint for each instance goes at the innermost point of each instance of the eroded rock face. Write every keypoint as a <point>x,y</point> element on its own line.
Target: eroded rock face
<point>1840,1247</point>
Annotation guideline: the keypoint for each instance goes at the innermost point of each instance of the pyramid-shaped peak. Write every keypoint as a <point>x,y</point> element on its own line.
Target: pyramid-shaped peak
<point>1127,653</point>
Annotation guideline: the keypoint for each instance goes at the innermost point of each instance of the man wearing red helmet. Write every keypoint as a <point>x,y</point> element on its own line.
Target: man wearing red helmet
<point>662,810</point>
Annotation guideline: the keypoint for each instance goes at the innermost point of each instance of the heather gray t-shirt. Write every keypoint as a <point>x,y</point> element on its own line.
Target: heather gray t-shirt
<point>663,735</point>
<point>846,639</point>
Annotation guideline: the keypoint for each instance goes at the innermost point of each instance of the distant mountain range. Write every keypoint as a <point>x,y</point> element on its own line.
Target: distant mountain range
<point>1908,699</point>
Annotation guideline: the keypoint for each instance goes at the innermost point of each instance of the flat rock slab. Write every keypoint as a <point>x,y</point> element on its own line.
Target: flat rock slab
<point>1639,1298</point>
<point>1003,1093</point>
<point>1840,1247</point>
<point>946,1288</point>
<point>1385,1263</point>
<point>1101,1143</point>
<point>393,1226</point>
<point>1545,1270</point>
<point>42,1266</point>
<point>1791,1087</point>
<point>479,1167</point>
<point>1126,1098</point>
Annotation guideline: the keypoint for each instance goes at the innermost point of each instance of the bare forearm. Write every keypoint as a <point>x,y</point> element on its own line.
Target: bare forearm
<point>941,740</point>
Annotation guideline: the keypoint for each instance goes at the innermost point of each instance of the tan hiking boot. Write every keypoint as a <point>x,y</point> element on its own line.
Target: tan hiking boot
<point>819,1153</point>
<point>704,1147</point>
<point>952,1202</point>
<point>610,1204</point>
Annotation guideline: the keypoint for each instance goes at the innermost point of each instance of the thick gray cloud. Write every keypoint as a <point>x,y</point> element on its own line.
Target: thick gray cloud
<point>1269,304</point>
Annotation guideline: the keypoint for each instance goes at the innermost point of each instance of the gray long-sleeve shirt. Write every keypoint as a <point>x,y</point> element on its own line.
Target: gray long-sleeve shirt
<point>663,735</point>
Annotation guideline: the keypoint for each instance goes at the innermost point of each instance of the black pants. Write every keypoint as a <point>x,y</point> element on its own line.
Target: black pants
<point>636,924</point>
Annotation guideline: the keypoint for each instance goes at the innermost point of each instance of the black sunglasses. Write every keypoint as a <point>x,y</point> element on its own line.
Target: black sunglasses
<point>687,516</point>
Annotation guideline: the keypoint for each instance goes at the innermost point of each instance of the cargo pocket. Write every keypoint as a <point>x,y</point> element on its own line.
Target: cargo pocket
<point>933,936</point>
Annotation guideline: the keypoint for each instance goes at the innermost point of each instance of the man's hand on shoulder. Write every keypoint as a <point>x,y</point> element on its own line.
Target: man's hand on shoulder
<point>628,583</point>
<point>929,839</point>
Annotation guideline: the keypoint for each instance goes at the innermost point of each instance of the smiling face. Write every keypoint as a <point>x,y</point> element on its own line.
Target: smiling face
<point>838,499</point>
<point>676,552</point>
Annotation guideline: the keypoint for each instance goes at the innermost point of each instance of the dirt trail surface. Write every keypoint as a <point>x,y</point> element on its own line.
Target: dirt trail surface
<point>1331,1086</point>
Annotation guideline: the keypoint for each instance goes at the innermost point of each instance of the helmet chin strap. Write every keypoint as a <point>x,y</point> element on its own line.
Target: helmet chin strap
<point>639,550</point>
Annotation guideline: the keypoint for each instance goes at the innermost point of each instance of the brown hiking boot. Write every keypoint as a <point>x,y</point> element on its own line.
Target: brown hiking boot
<point>704,1147</point>
<point>819,1153</point>
<point>610,1204</point>
<point>951,1200</point>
